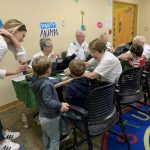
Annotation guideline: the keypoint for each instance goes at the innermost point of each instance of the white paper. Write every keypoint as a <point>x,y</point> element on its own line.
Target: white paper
<point>109,22</point>
<point>52,78</point>
<point>20,78</point>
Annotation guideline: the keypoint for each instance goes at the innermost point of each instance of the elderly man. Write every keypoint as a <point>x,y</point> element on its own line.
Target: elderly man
<point>78,47</point>
<point>140,40</point>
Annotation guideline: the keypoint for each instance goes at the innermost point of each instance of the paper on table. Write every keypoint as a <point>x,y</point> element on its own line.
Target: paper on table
<point>19,78</point>
<point>52,78</point>
<point>62,74</point>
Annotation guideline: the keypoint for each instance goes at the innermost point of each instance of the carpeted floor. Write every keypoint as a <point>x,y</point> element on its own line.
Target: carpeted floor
<point>137,127</point>
<point>31,137</point>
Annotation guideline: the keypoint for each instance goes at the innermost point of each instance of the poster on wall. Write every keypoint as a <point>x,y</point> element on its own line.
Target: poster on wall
<point>48,29</point>
<point>108,22</point>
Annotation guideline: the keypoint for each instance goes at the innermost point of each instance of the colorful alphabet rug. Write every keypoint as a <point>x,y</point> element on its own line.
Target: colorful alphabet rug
<point>138,131</point>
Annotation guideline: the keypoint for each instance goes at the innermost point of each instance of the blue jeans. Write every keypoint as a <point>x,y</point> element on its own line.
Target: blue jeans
<point>51,135</point>
<point>1,133</point>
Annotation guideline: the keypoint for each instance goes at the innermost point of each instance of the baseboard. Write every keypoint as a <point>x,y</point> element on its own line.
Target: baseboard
<point>10,105</point>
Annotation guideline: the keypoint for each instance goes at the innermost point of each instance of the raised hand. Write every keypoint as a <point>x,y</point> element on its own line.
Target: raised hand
<point>5,32</point>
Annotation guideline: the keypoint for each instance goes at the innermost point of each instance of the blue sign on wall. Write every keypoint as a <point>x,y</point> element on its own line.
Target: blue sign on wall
<point>48,29</point>
<point>48,25</point>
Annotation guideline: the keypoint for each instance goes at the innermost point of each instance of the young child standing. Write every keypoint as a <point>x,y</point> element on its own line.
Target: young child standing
<point>137,59</point>
<point>49,104</point>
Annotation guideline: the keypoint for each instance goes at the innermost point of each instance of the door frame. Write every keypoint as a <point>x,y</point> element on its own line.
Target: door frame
<point>135,18</point>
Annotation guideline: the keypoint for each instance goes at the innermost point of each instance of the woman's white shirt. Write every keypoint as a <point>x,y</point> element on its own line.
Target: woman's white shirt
<point>41,54</point>
<point>109,68</point>
<point>3,51</point>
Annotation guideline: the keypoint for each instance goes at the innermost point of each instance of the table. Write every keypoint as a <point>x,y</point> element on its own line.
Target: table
<point>25,94</point>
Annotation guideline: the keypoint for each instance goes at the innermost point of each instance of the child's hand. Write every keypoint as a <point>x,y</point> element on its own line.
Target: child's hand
<point>65,78</point>
<point>64,107</point>
<point>67,71</point>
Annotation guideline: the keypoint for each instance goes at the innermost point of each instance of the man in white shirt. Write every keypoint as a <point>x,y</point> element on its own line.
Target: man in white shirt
<point>78,47</point>
<point>140,40</point>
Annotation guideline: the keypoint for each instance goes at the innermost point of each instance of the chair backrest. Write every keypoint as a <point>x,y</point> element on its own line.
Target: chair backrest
<point>62,63</point>
<point>130,81</point>
<point>100,103</point>
<point>121,49</point>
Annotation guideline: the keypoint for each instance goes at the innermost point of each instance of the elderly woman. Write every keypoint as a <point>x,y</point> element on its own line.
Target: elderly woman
<point>108,67</point>
<point>105,38</point>
<point>46,46</point>
<point>139,40</point>
<point>11,35</point>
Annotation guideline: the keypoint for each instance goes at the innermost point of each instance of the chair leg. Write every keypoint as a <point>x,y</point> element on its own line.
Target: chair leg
<point>125,136</point>
<point>118,105</point>
<point>75,143</point>
<point>122,127</point>
<point>90,146</point>
<point>89,143</point>
<point>120,123</point>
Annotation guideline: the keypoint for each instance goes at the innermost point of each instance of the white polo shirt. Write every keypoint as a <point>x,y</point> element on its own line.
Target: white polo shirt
<point>41,54</point>
<point>109,68</point>
<point>79,50</point>
<point>146,51</point>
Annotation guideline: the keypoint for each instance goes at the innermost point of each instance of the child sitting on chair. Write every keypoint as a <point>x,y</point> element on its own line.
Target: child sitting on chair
<point>49,104</point>
<point>76,91</point>
<point>137,59</point>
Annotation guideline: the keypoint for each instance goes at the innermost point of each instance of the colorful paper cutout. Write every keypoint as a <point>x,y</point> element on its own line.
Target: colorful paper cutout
<point>99,24</point>
<point>83,28</point>
<point>1,23</point>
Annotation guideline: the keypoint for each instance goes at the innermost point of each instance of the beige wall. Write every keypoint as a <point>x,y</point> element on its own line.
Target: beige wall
<point>32,12</point>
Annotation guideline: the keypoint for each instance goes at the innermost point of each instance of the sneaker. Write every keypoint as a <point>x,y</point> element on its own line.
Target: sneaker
<point>64,137</point>
<point>11,135</point>
<point>9,145</point>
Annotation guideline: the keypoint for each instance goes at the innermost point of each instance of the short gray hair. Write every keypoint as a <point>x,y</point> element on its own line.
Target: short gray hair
<point>78,32</point>
<point>43,42</point>
<point>139,39</point>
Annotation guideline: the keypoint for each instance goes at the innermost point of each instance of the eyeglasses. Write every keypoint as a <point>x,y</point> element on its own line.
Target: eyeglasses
<point>50,46</point>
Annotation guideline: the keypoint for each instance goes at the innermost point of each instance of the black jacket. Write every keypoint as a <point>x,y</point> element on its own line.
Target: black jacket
<point>77,92</point>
